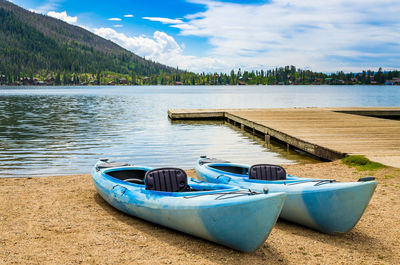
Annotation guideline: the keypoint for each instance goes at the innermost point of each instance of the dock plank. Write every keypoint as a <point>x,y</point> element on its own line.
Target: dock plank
<point>329,133</point>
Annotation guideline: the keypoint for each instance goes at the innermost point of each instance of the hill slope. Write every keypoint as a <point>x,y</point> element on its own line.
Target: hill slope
<point>31,42</point>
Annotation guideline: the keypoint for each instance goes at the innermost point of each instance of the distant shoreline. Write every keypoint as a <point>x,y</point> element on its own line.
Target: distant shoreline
<point>255,85</point>
<point>288,75</point>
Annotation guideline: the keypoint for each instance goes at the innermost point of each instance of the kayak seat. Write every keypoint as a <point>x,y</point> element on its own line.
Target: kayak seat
<point>166,179</point>
<point>267,172</point>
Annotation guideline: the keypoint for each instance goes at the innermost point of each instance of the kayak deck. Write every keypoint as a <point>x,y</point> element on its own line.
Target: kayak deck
<point>322,204</point>
<point>210,211</point>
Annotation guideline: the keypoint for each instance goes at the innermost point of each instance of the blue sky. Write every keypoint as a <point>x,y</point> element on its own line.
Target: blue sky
<point>210,35</point>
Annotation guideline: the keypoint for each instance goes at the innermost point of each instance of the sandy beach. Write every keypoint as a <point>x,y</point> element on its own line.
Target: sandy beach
<point>62,220</point>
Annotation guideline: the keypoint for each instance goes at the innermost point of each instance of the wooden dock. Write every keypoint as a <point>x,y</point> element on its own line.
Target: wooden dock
<point>328,133</point>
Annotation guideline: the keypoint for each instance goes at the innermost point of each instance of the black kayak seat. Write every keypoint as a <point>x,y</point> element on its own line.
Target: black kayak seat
<point>166,179</point>
<point>267,172</point>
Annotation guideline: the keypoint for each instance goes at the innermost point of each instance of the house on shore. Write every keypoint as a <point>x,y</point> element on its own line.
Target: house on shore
<point>26,81</point>
<point>123,81</point>
<point>50,81</point>
<point>394,81</point>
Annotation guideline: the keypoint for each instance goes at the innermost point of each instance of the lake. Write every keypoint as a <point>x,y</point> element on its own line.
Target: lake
<point>46,131</point>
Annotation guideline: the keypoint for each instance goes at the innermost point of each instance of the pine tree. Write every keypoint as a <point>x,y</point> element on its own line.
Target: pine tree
<point>57,80</point>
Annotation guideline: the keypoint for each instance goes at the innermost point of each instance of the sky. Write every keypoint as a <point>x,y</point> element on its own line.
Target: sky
<point>220,35</point>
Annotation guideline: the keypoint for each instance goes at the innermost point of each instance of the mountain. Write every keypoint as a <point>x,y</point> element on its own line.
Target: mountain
<point>30,43</point>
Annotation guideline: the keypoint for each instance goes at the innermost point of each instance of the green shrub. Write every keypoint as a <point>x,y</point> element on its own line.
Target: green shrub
<point>362,163</point>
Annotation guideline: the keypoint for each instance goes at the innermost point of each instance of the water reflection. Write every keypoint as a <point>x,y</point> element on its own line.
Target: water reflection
<point>57,135</point>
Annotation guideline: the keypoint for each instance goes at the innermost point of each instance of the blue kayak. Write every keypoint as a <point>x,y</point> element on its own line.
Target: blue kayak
<point>224,214</point>
<point>322,204</point>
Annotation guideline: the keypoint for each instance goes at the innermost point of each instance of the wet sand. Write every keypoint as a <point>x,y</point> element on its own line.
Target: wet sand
<point>62,220</point>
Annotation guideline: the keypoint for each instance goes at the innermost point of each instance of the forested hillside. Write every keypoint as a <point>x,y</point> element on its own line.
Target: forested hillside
<point>31,43</point>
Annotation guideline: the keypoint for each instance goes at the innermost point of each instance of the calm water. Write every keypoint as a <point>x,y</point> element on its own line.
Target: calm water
<point>63,130</point>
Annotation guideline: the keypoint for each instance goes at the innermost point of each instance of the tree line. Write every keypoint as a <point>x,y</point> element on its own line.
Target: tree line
<point>288,75</point>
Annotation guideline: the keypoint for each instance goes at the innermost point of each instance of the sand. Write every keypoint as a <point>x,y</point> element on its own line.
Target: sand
<point>62,220</point>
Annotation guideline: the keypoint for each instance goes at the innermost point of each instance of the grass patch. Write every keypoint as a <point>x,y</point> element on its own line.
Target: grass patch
<point>361,163</point>
<point>388,176</point>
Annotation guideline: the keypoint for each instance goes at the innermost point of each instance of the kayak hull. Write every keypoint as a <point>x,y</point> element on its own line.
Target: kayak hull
<point>326,206</point>
<point>215,214</point>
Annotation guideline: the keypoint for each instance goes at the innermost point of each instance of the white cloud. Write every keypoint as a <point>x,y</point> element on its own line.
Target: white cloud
<point>162,48</point>
<point>164,20</point>
<point>322,35</point>
<point>160,43</point>
<point>63,16</point>
<point>118,26</point>
<point>114,19</point>
<point>129,15</point>
<point>47,6</point>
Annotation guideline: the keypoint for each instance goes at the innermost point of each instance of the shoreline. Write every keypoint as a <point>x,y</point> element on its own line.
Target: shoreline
<point>199,85</point>
<point>62,219</point>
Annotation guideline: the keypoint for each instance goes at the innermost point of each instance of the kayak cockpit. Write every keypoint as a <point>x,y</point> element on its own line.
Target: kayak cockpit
<point>234,169</point>
<point>163,179</point>
<point>129,175</point>
<point>256,172</point>
<point>259,173</point>
<point>175,180</point>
